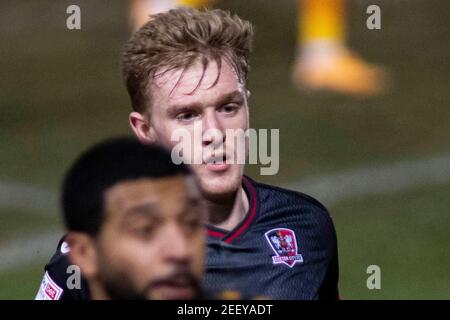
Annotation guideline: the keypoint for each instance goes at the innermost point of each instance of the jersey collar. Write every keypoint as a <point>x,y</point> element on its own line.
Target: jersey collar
<point>229,236</point>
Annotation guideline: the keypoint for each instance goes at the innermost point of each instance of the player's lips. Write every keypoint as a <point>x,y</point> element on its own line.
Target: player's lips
<point>217,163</point>
<point>174,292</point>
<point>217,167</point>
<point>179,288</point>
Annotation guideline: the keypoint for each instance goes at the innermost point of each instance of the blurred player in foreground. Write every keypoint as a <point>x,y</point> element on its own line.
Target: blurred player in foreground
<point>187,69</point>
<point>135,226</point>
<point>323,61</point>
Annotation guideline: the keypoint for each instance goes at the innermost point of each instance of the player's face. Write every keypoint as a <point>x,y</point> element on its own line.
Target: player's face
<point>151,244</point>
<point>192,100</point>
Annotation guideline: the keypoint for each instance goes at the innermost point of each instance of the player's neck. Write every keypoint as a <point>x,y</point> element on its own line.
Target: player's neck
<point>97,292</point>
<point>229,213</point>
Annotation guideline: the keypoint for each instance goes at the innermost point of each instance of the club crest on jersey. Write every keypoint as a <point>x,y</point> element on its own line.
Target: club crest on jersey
<point>284,244</point>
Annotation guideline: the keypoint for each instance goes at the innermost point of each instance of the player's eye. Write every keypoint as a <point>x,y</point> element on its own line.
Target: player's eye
<point>187,116</point>
<point>192,221</point>
<point>144,231</point>
<point>229,109</point>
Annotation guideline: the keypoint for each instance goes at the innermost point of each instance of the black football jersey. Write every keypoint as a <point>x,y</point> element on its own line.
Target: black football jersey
<point>284,248</point>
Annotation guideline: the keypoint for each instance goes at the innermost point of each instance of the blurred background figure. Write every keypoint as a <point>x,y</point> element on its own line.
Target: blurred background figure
<point>323,61</point>
<point>141,9</point>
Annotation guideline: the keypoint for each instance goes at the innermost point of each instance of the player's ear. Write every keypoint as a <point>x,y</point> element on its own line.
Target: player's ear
<point>141,127</point>
<point>83,253</point>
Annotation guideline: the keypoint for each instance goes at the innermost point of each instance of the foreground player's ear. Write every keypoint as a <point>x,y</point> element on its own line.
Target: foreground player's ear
<point>141,128</point>
<point>82,253</point>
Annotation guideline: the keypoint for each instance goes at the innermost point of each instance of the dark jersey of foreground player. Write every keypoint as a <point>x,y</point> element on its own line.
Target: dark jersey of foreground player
<point>285,248</point>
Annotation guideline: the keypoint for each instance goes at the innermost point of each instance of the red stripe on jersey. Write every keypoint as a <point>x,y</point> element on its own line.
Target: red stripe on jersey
<point>250,217</point>
<point>216,233</point>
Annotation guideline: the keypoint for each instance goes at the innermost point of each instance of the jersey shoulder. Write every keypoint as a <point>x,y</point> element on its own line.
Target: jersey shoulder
<point>282,196</point>
<point>281,204</point>
<point>54,285</point>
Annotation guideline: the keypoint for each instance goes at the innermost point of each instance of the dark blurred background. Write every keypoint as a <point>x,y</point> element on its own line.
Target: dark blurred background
<point>381,164</point>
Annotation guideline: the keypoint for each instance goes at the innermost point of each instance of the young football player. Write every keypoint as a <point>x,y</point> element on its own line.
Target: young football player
<point>187,69</point>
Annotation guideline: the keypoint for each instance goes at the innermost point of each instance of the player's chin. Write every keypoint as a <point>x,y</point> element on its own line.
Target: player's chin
<point>216,184</point>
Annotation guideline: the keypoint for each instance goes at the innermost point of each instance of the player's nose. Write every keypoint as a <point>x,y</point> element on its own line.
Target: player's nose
<point>213,131</point>
<point>176,247</point>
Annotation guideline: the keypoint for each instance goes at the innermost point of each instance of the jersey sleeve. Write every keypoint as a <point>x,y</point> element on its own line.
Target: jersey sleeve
<point>327,240</point>
<point>55,283</point>
<point>329,289</point>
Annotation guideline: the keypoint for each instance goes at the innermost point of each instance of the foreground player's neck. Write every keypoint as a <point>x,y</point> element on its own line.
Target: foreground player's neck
<point>97,292</point>
<point>228,213</point>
